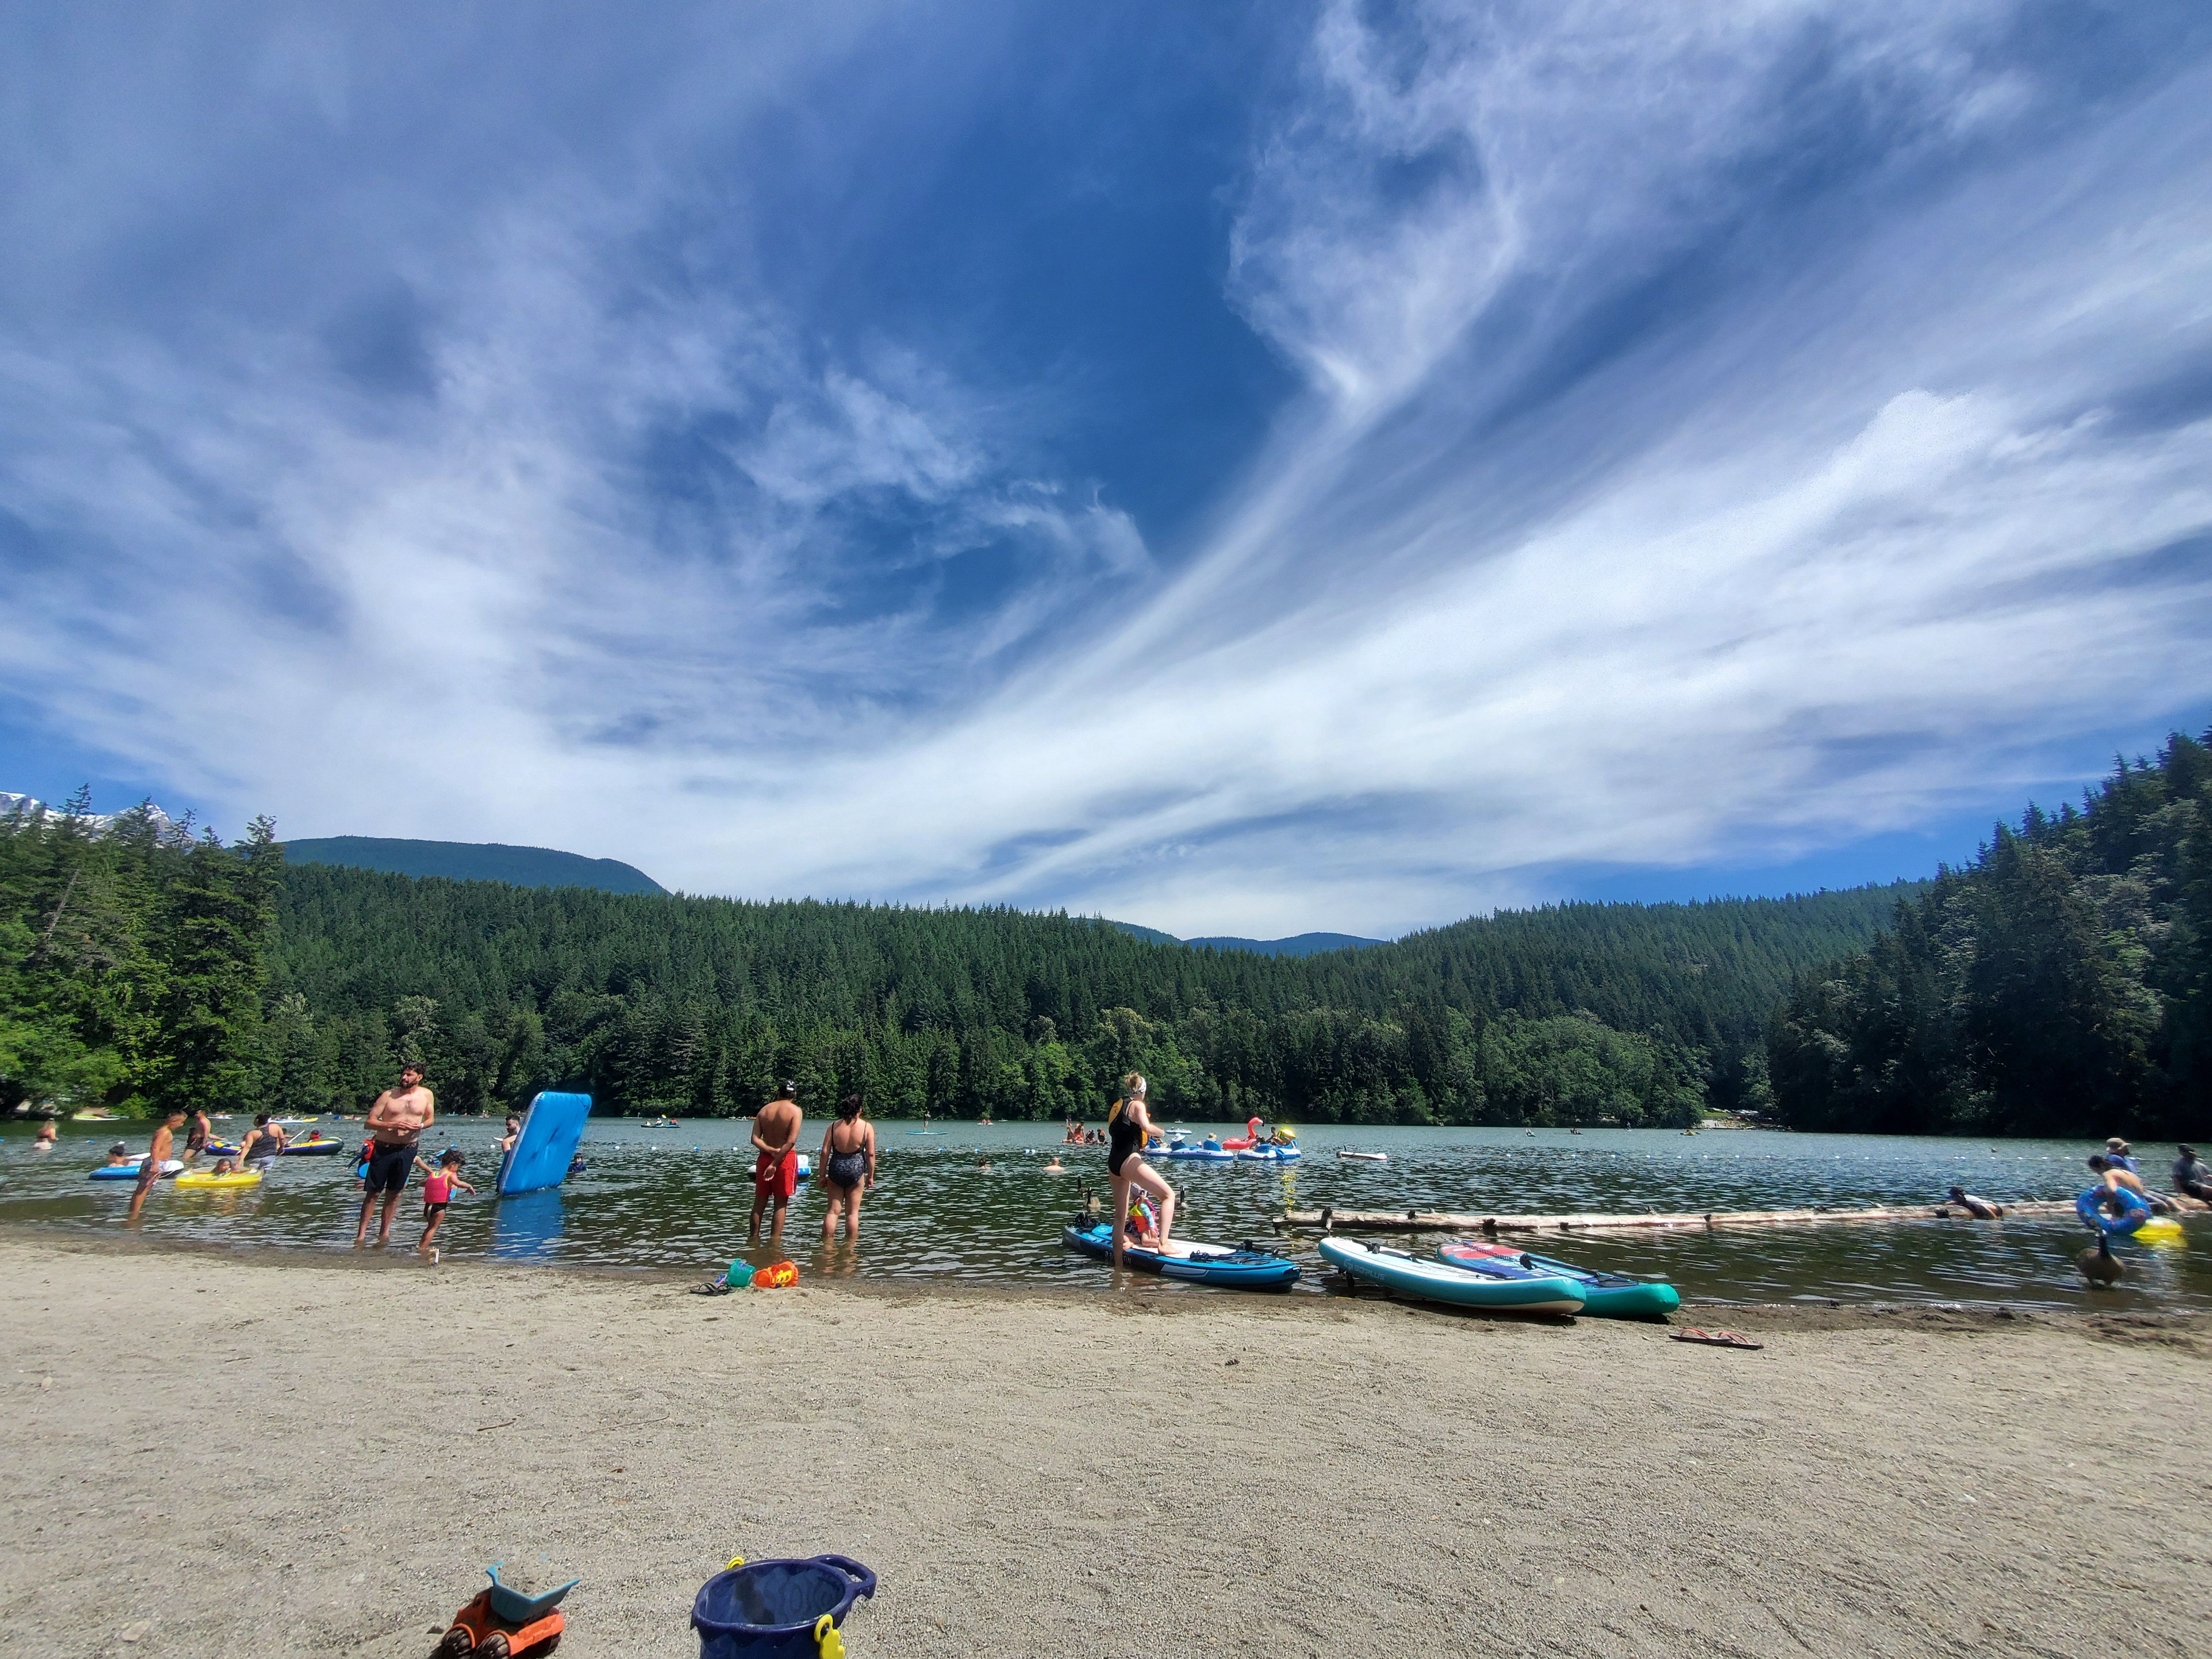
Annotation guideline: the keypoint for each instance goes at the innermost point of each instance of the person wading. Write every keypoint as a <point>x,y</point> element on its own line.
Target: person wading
<point>395,1126</point>
<point>775,1172</point>
<point>1127,1128</point>
<point>848,1167</point>
<point>165,1140</point>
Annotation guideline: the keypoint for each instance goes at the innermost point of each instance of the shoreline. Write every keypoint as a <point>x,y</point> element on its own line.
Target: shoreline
<point>293,1455</point>
<point>1155,1294</point>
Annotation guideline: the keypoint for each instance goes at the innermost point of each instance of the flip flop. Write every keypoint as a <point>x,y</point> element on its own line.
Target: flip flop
<point>1717,1338</point>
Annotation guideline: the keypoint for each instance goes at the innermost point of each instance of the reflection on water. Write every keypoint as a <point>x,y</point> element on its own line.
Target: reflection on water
<point>679,1198</point>
<point>525,1226</point>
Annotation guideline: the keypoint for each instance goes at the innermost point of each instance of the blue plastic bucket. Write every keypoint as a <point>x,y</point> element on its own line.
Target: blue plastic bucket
<point>768,1609</point>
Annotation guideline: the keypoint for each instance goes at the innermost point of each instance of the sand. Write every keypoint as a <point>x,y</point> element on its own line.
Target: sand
<point>215,1455</point>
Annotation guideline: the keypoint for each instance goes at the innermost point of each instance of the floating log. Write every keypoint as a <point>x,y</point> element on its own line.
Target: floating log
<point>1434,1221</point>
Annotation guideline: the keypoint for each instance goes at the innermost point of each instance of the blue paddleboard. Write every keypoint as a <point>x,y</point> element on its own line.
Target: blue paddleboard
<point>551,1129</point>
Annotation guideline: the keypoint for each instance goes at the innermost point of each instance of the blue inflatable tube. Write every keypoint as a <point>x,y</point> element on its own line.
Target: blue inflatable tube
<point>2134,1211</point>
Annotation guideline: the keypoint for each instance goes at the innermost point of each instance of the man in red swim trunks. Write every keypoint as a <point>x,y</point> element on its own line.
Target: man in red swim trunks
<point>775,1172</point>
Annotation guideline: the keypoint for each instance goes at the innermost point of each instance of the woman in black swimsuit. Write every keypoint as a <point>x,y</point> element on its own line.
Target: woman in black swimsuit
<point>1127,1129</point>
<point>848,1167</point>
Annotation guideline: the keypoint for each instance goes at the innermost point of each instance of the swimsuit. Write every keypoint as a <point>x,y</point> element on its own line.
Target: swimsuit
<point>845,1167</point>
<point>389,1166</point>
<point>776,1175</point>
<point>1126,1136</point>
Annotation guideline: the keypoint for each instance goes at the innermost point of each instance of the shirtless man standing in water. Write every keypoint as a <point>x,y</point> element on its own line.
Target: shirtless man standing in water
<point>395,1127</point>
<point>775,1172</point>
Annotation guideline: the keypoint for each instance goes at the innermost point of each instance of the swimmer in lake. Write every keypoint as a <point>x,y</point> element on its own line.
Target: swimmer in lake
<point>44,1143</point>
<point>1055,1167</point>
<point>1127,1128</point>
<point>1980,1208</point>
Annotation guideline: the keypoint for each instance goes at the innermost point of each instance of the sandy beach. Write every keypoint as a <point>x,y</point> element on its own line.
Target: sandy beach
<point>217,1455</point>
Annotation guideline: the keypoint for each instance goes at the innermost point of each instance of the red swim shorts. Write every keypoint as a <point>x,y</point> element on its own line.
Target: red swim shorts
<point>776,1177</point>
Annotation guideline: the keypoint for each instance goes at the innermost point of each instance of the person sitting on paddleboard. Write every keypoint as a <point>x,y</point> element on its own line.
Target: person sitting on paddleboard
<point>1142,1224</point>
<point>1126,1130</point>
<point>2191,1175</point>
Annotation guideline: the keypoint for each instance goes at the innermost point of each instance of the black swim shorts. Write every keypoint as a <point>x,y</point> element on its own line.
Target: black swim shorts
<point>389,1168</point>
<point>431,1210</point>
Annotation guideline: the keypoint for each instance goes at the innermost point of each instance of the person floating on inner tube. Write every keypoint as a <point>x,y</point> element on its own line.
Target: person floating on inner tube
<point>2115,1211</point>
<point>1981,1209</point>
<point>2120,1179</point>
<point>2120,1155</point>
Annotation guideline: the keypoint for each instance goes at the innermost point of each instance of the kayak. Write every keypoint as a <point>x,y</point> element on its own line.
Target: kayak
<point>215,1149</point>
<point>1432,1281</point>
<point>1606,1295</point>
<point>315,1148</point>
<point>129,1171</point>
<point>1243,1269</point>
<point>199,1178</point>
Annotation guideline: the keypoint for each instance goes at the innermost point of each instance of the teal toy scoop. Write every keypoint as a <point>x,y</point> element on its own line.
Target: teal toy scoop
<point>515,1608</point>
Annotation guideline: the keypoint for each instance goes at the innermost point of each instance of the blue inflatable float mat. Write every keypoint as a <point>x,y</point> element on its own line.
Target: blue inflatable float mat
<point>551,1129</point>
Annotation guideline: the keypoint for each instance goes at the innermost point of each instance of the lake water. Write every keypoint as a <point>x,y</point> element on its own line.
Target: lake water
<point>678,1199</point>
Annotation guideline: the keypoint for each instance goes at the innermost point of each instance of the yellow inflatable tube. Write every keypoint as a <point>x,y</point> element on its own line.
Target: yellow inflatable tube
<point>201,1178</point>
<point>2158,1230</point>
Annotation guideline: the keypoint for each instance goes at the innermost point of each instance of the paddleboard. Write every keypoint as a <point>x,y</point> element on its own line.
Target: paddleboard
<point>1432,1281</point>
<point>542,1152</point>
<point>1244,1268</point>
<point>1363,1157</point>
<point>1605,1295</point>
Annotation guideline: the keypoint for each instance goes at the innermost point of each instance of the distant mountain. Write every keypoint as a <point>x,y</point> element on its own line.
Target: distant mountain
<point>1302,945</point>
<point>31,806</point>
<point>467,860</point>
<point>1299,944</point>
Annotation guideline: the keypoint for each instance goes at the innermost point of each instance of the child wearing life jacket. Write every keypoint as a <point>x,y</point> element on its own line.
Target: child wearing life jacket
<point>437,1185</point>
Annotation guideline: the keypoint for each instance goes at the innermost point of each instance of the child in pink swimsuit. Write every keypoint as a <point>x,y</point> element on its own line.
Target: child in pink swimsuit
<point>438,1186</point>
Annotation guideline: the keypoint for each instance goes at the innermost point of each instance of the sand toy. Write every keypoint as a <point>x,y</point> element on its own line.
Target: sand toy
<point>507,1621</point>
<point>779,1609</point>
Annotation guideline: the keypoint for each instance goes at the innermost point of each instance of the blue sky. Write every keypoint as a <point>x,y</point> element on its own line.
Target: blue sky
<point>1242,468</point>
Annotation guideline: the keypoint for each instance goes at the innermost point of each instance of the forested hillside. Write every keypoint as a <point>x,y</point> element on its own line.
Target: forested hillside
<point>1576,1013</point>
<point>132,961</point>
<point>143,967</point>
<point>2062,984</point>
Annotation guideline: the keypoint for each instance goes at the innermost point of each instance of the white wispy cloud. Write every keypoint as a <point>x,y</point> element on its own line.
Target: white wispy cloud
<point>1722,433</point>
